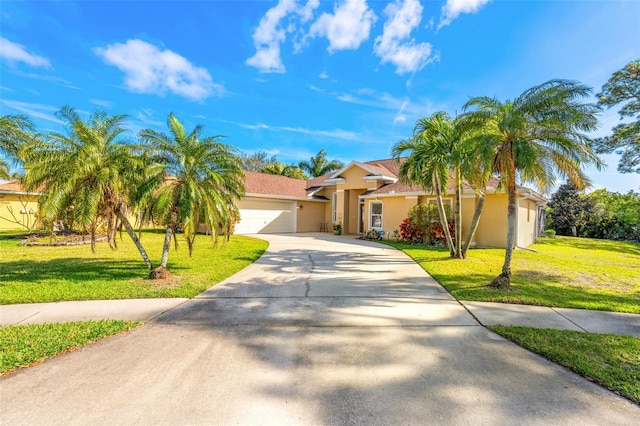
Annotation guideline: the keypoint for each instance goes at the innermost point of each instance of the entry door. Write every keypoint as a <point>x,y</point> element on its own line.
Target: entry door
<point>361,215</point>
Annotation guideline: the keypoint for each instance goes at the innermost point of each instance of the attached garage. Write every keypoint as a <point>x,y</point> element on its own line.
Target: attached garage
<point>264,216</point>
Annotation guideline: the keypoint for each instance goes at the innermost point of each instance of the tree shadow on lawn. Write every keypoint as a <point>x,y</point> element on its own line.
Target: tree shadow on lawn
<point>71,269</point>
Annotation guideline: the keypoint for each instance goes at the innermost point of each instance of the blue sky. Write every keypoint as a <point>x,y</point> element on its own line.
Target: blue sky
<point>293,77</point>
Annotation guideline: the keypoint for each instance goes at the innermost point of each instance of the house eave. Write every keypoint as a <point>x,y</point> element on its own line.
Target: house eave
<point>283,197</point>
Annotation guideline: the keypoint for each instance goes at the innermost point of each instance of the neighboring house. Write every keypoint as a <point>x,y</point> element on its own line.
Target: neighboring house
<point>367,195</point>
<point>18,208</point>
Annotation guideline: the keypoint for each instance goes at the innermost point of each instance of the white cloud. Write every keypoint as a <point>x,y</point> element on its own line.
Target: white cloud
<point>44,112</point>
<point>400,117</point>
<point>395,45</point>
<point>101,102</point>
<point>333,134</point>
<point>149,69</point>
<point>347,28</point>
<point>14,53</point>
<point>324,74</point>
<point>271,33</point>
<point>454,8</point>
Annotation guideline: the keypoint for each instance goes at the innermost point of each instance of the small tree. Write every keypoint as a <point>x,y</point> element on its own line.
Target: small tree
<point>570,210</point>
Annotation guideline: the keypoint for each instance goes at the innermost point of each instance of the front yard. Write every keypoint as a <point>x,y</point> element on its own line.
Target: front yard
<point>51,274</point>
<point>562,272</point>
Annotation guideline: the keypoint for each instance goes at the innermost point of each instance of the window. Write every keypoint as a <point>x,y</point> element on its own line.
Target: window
<point>334,207</point>
<point>445,201</point>
<point>376,214</point>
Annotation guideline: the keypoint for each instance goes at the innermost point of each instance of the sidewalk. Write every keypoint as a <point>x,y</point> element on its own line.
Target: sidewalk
<point>487,313</point>
<point>126,309</point>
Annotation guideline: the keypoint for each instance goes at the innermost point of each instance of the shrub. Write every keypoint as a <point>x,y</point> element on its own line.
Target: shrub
<point>550,233</point>
<point>423,225</point>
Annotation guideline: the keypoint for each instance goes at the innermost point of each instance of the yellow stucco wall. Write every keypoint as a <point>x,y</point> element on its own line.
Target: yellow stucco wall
<point>13,202</point>
<point>492,229</point>
<point>310,216</point>
<point>354,179</point>
<point>394,211</point>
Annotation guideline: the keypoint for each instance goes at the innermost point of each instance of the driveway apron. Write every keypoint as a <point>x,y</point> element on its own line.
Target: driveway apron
<point>320,330</point>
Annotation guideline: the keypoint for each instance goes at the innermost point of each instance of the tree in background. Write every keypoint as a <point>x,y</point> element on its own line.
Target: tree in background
<point>257,161</point>
<point>623,87</point>
<point>570,210</point>
<point>281,169</point>
<point>198,182</point>
<point>613,216</point>
<point>318,165</point>
<point>534,138</point>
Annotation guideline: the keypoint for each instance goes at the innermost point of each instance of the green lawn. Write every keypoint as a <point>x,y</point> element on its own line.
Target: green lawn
<point>609,360</point>
<point>563,272</point>
<point>50,274</point>
<point>24,345</point>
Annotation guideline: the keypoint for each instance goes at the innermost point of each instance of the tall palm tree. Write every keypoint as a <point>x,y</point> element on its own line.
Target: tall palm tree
<point>430,160</point>
<point>535,138</point>
<point>318,165</point>
<point>198,182</point>
<point>85,174</point>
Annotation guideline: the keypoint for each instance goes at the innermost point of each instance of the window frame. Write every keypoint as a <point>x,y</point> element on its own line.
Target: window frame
<point>371,215</point>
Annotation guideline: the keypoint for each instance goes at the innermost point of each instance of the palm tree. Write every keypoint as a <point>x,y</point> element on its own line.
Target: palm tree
<point>85,174</point>
<point>278,168</point>
<point>534,138</point>
<point>318,165</point>
<point>430,160</point>
<point>198,182</point>
<point>15,132</point>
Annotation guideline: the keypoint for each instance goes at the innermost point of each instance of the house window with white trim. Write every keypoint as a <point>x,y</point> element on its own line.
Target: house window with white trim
<point>375,215</point>
<point>334,207</point>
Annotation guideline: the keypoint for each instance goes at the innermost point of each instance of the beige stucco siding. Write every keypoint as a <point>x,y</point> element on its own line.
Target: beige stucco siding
<point>354,179</point>
<point>310,216</point>
<point>394,211</point>
<point>492,229</point>
<point>24,209</point>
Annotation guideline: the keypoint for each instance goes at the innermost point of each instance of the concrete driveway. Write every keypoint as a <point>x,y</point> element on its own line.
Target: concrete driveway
<point>321,330</point>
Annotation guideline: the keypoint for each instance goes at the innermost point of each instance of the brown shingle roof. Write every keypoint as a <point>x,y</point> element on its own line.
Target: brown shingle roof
<point>13,186</point>
<point>282,186</point>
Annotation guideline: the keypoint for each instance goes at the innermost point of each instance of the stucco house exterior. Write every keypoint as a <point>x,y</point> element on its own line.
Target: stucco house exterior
<point>18,208</point>
<point>360,196</point>
<point>368,195</point>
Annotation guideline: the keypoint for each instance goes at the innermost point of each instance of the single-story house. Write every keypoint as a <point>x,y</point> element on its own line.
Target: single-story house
<point>18,208</point>
<point>368,195</point>
<point>360,196</point>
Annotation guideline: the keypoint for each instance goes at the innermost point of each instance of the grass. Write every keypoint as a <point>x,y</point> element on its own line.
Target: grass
<point>563,272</point>
<point>609,360</point>
<point>51,274</point>
<point>25,345</point>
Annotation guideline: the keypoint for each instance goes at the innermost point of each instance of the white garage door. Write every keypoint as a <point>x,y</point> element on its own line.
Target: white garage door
<point>265,217</point>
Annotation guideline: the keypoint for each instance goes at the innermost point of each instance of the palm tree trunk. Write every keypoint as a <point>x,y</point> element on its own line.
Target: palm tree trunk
<point>503,281</point>
<point>458,215</point>
<point>474,224</point>
<point>135,239</point>
<point>167,239</point>
<point>443,216</point>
